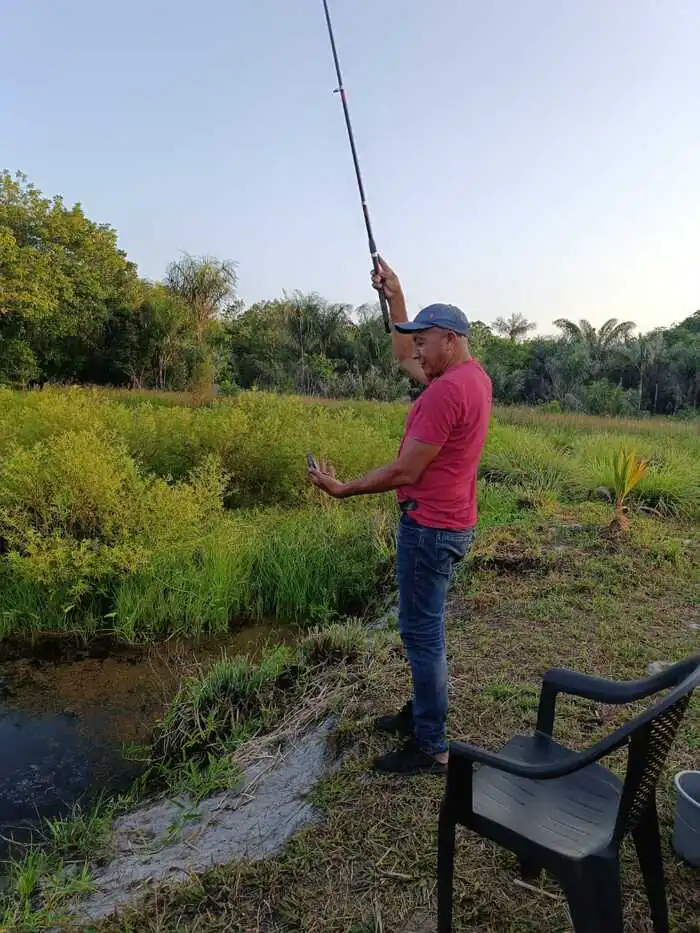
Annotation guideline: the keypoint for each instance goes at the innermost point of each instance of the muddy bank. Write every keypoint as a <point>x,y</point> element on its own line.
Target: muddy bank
<point>67,714</point>
<point>169,841</point>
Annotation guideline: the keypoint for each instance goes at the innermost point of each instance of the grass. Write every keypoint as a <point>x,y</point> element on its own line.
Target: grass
<point>548,591</point>
<point>44,877</point>
<point>220,706</point>
<point>576,599</point>
<point>145,517</point>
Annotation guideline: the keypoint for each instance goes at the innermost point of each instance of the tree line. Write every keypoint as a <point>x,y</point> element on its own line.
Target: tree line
<point>73,309</point>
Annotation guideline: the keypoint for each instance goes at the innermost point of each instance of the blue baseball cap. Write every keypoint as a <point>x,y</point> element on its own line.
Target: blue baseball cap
<point>448,317</point>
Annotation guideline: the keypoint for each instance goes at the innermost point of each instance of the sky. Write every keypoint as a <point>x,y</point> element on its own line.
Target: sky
<point>540,157</point>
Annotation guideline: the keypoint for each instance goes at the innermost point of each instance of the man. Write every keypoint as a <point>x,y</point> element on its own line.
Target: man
<point>435,479</point>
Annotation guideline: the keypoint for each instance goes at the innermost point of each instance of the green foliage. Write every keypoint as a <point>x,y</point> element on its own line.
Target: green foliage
<point>305,344</point>
<point>77,518</point>
<point>81,835</point>
<point>334,643</point>
<point>148,517</point>
<point>300,565</point>
<point>628,470</point>
<point>38,889</point>
<point>603,398</point>
<point>214,708</point>
<point>60,277</point>
<point>72,308</point>
<point>200,778</point>
<point>151,341</point>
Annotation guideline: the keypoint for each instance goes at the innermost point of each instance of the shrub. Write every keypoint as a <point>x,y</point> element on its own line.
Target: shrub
<point>111,502</point>
<point>213,706</point>
<point>333,644</point>
<point>77,517</point>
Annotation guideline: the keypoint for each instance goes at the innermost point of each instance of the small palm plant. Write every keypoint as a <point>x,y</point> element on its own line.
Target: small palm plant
<point>627,470</point>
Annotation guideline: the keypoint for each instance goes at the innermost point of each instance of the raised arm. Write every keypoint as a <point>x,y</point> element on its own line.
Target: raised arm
<point>387,281</point>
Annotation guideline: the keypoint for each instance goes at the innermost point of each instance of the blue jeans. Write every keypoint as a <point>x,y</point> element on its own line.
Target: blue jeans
<point>425,560</point>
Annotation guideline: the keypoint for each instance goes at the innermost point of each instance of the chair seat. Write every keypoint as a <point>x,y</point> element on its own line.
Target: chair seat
<point>572,815</point>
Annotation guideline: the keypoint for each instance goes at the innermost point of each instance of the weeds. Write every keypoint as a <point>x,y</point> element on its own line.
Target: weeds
<point>38,888</point>
<point>219,707</point>
<point>143,517</point>
<point>82,834</point>
<point>334,643</point>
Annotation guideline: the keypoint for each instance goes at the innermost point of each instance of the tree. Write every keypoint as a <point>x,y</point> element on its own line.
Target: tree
<point>643,352</point>
<point>515,327</point>
<point>682,356</point>
<point>61,276</point>
<point>257,347</point>
<point>149,344</point>
<point>557,370</point>
<point>598,341</point>
<point>480,337</point>
<point>205,284</point>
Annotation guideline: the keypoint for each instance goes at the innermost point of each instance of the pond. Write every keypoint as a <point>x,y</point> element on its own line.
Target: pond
<point>66,715</point>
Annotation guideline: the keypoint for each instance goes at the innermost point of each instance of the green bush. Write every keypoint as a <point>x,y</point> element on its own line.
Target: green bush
<point>521,457</point>
<point>77,518</point>
<point>144,516</point>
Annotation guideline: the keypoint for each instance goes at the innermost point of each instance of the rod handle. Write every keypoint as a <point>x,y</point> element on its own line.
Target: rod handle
<point>384,305</point>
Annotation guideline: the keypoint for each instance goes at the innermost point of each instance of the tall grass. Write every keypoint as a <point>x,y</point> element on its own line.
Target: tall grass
<point>144,516</point>
<point>300,565</point>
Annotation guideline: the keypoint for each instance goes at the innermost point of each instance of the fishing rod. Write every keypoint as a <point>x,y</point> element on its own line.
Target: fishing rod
<point>370,237</point>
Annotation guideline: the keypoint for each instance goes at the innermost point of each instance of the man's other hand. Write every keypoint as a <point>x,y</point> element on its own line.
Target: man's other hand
<point>324,479</point>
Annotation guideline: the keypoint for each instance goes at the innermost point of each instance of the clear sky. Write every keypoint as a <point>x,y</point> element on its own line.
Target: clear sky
<point>540,156</point>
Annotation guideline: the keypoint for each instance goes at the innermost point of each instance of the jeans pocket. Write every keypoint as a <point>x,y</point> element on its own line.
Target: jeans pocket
<point>455,544</point>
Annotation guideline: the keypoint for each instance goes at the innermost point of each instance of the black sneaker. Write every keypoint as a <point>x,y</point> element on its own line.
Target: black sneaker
<point>400,723</point>
<point>409,759</point>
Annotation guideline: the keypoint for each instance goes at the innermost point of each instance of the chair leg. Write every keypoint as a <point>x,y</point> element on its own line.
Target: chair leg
<point>583,910</point>
<point>445,869</point>
<point>647,841</point>
<point>595,898</point>
<point>610,895</point>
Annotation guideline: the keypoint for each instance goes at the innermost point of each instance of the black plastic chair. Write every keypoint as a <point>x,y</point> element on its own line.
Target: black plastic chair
<point>560,811</point>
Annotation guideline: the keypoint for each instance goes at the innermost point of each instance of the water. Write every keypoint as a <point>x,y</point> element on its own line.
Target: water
<point>66,715</point>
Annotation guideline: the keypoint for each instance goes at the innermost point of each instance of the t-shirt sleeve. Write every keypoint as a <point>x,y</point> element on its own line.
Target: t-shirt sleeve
<point>439,413</point>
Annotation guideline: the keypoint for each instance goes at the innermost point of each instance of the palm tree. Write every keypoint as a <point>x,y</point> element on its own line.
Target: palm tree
<point>205,284</point>
<point>598,342</point>
<point>644,353</point>
<point>514,327</point>
<point>316,328</point>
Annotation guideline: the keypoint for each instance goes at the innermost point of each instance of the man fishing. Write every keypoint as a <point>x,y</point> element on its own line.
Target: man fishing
<point>434,477</point>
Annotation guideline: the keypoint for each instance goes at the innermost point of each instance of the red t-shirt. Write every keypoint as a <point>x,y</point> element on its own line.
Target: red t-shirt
<point>452,413</point>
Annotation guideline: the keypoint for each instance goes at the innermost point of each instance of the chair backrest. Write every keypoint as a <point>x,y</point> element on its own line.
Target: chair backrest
<point>651,735</point>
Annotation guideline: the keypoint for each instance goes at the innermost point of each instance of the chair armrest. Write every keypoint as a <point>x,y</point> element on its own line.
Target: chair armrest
<point>561,680</point>
<point>464,753</point>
